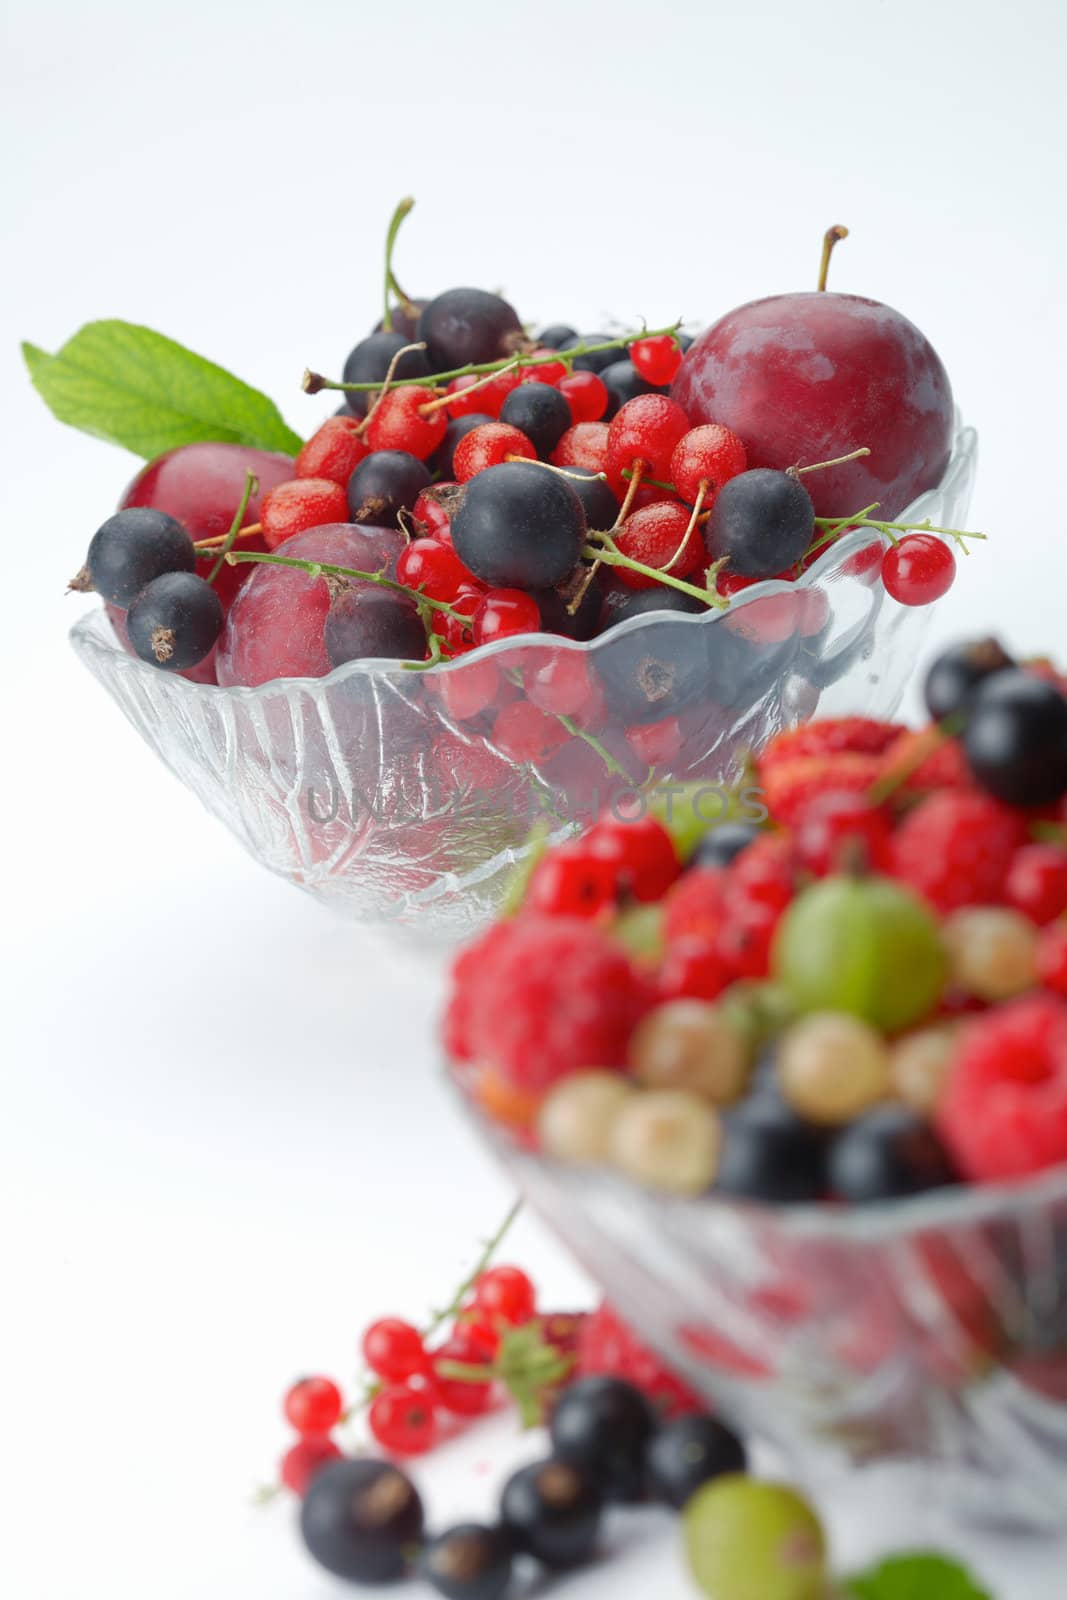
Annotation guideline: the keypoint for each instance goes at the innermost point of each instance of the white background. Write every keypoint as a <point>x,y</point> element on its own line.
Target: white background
<point>223,1146</point>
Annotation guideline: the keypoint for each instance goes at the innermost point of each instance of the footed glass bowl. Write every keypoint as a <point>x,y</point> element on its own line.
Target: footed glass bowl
<point>406,798</point>
<point>931,1331</point>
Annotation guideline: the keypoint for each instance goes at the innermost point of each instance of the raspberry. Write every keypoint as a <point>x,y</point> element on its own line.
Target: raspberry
<point>943,768</point>
<point>955,848</point>
<point>694,907</point>
<point>862,736</point>
<point>1004,1110</point>
<point>608,1349</point>
<point>790,787</point>
<point>548,996</point>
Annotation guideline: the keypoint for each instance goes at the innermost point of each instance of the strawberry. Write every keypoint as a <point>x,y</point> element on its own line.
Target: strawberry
<point>790,786</point>
<point>835,736</point>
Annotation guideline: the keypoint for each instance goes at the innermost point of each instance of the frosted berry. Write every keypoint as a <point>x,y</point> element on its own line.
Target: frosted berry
<point>334,451</point>
<point>709,455</point>
<point>399,422</point>
<point>133,547</point>
<point>584,445</point>
<point>659,536</point>
<point>646,430</point>
<point>919,569</point>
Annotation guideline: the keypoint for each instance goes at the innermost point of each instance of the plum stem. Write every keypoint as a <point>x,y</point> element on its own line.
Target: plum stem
<point>403,209</point>
<point>235,530</point>
<point>831,237</point>
<point>218,539</point>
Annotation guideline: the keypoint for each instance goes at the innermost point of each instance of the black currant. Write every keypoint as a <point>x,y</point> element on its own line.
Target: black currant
<point>405,319</point>
<point>655,670</point>
<point>599,359</point>
<point>359,1520</point>
<point>886,1154</point>
<point>440,463</point>
<point>1015,740</point>
<point>370,360</point>
<point>605,1425</point>
<point>557,336</point>
<point>551,1511</point>
<point>555,608</point>
<point>365,622</point>
<point>597,497</point>
<point>623,382</point>
<point>684,341</point>
<point>957,672</point>
<point>769,1153</point>
<point>724,842</point>
<point>746,659</point>
<point>685,1455</point>
<point>621,604</point>
<point>175,621</point>
<point>133,547</point>
<point>384,484</point>
<point>468,325</point>
<point>520,526</point>
<point>762,522</point>
<point>468,1562</point>
<point>541,412</point>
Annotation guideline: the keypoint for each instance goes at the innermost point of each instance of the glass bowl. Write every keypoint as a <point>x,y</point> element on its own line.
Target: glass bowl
<point>406,798</point>
<point>931,1331</point>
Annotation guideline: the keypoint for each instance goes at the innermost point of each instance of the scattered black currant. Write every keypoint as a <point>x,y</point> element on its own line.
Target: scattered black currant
<point>551,1511</point>
<point>888,1153</point>
<point>762,522</point>
<point>557,337</point>
<point>685,1455</point>
<point>468,1562</point>
<point>956,674</point>
<point>623,382</point>
<point>621,604</point>
<point>1015,740</point>
<point>597,497</point>
<point>175,621</point>
<point>370,360</point>
<point>724,843</point>
<point>384,484</point>
<point>555,610</point>
<point>367,622</point>
<point>599,359</point>
<point>133,547</point>
<point>360,1519</point>
<point>520,526</point>
<point>440,463</point>
<point>469,325</point>
<point>541,412</point>
<point>769,1153</point>
<point>605,1425</point>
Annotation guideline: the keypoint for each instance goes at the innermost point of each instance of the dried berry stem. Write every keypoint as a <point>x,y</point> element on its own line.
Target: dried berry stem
<point>611,556</point>
<point>386,386</point>
<point>432,406</point>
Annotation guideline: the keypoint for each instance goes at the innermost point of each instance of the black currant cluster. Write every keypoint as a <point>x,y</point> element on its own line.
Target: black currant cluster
<point>143,561</point>
<point>363,1520</point>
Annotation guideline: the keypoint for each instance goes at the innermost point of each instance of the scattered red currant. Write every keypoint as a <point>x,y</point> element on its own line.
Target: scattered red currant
<point>463,1397</point>
<point>314,1405</point>
<point>918,570</point>
<point>300,1463</point>
<point>488,446</point>
<point>562,683</point>
<point>550,372</point>
<point>402,1420</point>
<point>430,516</point>
<point>657,359</point>
<point>486,398</point>
<point>458,631</point>
<point>657,537</point>
<point>466,694</point>
<point>524,732</point>
<point>394,1350</point>
<point>507,1294</point>
<point>584,445</point>
<point>504,613</point>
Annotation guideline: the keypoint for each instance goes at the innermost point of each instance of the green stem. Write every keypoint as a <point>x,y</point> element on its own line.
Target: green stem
<point>594,743</point>
<point>251,485</point>
<point>611,556</point>
<point>318,569</point>
<point>657,483</point>
<point>492,1245</point>
<point>314,382</point>
<point>398,216</point>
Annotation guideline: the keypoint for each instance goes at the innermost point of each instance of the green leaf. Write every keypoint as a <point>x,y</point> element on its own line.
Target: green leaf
<point>916,1577</point>
<point>138,389</point>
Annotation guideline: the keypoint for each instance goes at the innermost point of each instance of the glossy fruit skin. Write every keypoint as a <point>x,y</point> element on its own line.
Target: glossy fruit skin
<point>442,462</point>
<point>399,422</point>
<point>132,548</point>
<point>300,504</point>
<point>384,484</point>
<point>807,377</point>
<point>468,1562</point>
<point>541,413</point>
<point>507,1294</point>
<point>552,1510</point>
<point>556,616</point>
<point>685,1455</point>
<point>468,325</point>
<point>889,1153</point>
<point>369,623</point>
<point>463,1399</point>
<point>1015,740</point>
<point>598,500</point>
<point>369,362</point>
<point>359,1518</point>
<point>404,318</point>
<point>659,536</point>
<point>646,429</point>
<point>1036,883</point>
<point>519,527</point>
<point>313,1405</point>
<point>334,451</point>
<point>954,676</point>
<point>657,359</point>
<point>605,1426</point>
<point>723,843</point>
<point>918,569</point>
<point>402,1420</point>
<point>393,1349</point>
<point>762,522</point>
<point>557,336</point>
<point>175,621</point>
<point>864,946</point>
<point>639,602</point>
<point>586,395</point>
<point>771,1154</point>
<point>623,382</point>
<point>745,1537</point>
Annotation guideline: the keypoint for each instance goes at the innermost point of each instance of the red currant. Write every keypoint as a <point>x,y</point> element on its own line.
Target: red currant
<point>402,1420</point>
<point>458,631</point>
<point>764,873</point>
<point>468,692</point>
<point>657,537</point>
<point>562,683</point>
<point>918,570</point>
<point>334,451</point>
<point>486,399</point>
<point>524,732</point>
<point>300,1463</point>
<point>300,504</point>
<point>503,614</point>
<point>837,824</point>
<point>314,1405</point>
<point>1037,882</point>
<point>572,882</point>
<point>657,359</point>
<point>744,939</point>
<point>586,394</point>
<point>464,1398</point>
<point>488,446</point>
<point>471,1324</point>
<point>549,372</point>
<point>584,445</point>
<point>429,515</point>
<point>433,568</point>
<point>692,970</point>
<point>1052,957</point>
<point>641,850</point>
<point>646,429</point>
<point>394,1350</point>
<point>400,422</point>
<point>711,455</point>
<point>656,742</point>
<point>652,494</point>
<point>506,1294</point>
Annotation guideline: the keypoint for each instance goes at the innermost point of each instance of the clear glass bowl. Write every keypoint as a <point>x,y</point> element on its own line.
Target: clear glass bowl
<point>931,1331</point>
<point>385,793</point>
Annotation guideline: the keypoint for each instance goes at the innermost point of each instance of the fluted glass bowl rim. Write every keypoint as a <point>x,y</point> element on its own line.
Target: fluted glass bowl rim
<point>84,632</point>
